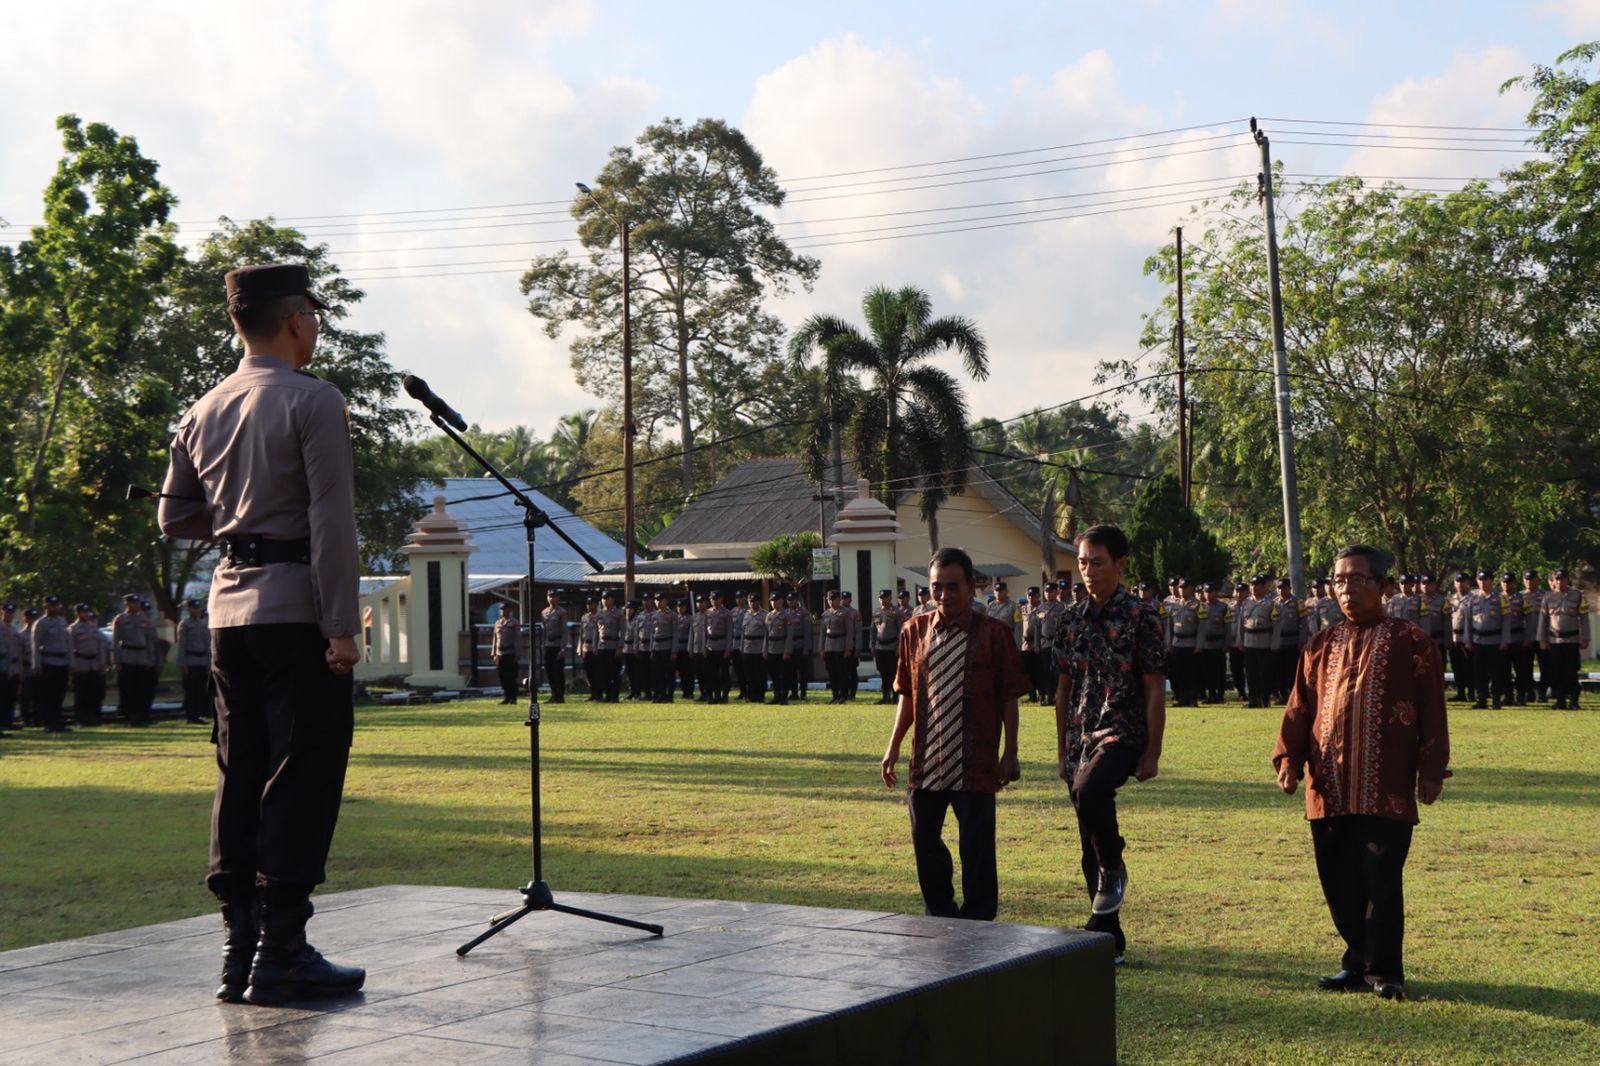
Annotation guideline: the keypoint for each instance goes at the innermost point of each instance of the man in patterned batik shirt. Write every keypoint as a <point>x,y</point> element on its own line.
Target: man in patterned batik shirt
<point>1111,714</point>
<point>959,674</point>
<point>1366,720</point>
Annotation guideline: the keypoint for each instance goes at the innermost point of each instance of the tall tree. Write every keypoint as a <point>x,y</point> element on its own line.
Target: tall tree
<point>74,298</point>
<point>1167,539</point>
<point>908,424</point>
<point>703,255</point>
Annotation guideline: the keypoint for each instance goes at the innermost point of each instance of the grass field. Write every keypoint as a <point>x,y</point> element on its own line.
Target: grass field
<point>106,828</point>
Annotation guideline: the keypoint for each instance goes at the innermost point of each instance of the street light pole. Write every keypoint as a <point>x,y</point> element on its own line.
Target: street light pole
<point>627,397</point>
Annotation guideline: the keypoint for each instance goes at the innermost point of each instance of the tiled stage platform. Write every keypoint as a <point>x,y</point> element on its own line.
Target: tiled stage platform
<point>729,983</point>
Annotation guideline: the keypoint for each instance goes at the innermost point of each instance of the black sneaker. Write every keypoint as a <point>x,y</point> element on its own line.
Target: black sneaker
<point>1108,894</point>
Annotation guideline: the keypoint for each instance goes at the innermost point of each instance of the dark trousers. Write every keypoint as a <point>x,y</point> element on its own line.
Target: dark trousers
<point>833,662</point>
<point>1260,665</point>
<point>196,704</point>
<point>506,667</point>
<point>1360,862</point>
<point>610,666</point>
<point>1211,674</point>
<point>284,724</point>
<point>1486,673</point>
<point>1030,666</point>
<point>52,694</point>
<point>714,675</point>
<point>755,677</point>
<point>1564,662</point>
<point>1461,670</point>
<point>1522,667</point>
<point>1180,669</point>
<point>1236,667</point>
<point>591,674</point>
<point>555,672</point>
<point>980,882</point>
<point>10,686</point>
<point>778,668</point>
<point>133,682</point>
<point>1104,769</point>
<point>802,674</point>
<point>1288,662</point>
<point>1541,659</point>
<point>88,695</point>
<point>639,685</point>
<point>687,669</point>
<point>852,676</point>
<point>661,674</point>
<point>887,662</point>
<point>28,699</point>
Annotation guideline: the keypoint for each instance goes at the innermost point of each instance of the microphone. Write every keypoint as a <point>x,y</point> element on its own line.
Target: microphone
<point>139,492</point>
<point>419,391</point>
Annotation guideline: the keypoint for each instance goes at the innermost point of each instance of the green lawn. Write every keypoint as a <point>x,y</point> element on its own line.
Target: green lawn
<point>107,828</point>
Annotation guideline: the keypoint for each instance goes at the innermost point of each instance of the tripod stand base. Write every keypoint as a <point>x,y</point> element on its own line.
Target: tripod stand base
<point>536,896</point>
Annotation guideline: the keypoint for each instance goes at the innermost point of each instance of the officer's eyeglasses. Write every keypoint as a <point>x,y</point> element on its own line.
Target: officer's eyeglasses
<point>320,316</point>
<point>1352,581</point>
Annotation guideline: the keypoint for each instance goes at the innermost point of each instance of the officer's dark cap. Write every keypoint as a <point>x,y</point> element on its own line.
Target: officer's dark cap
<point>1484,573</point>
<point>52,599</point>
<point>1428,579</point>
<point>31,612</point>
<point>882,593</point>
<point>610,594</point>
<point>588,600</point>
<point>1462,575</point>
<point>905,594</point>
<point>1259,579</point>
<point>1063,584</point>
<point>1079,586</point>
<point>1183,583</point>
<point>1530,573</point>
<point>8,607</point>
<point>1409,579</point>
<point>196,603</point>
<point>130,598</point>
<point>83,607</point>
<point>715,594</point>
<point>792,595</point>
<point>680,603</point>
<point>658,595</point>
<point>1553,573</point>
<point>845,594</point>
<point>1508,576</point>
<point>89,611</point>
<point>998,585</point>
<point>1284,582</point>
<point>253,286</point>
<point>1240,587</point>
<point>1032,589</point>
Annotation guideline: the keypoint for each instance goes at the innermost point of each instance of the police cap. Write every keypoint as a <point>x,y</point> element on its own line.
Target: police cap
<point>83,607</point>
<point>252,286</point>
<point>1530,573</point>
<point>1485,573</point>
<point>1259,579</point>
<point>1462,575</point>
<point>658,594</point>
<point>1428,579</point>
<point>1063,584</point>
<point>680,603</point>
<point>145,604</point>
<point>1184,583</point>
<point>843,595</point>
<point>1032,589</point>
<point>1079,586</point>
<point>1558,573</point>
<point>197,603</point>
<point>1508,576</point>
<point>715,594</point>
<point>130,598</point>
<point>52,600</point>
<point>905,594</point>
<point>8,607</point>
<point>587,600</point>
<point>998,585</point>
<point>1284,582</point>
<point>609,594</point>
<point>1240,586</point>
<point>793,595</point>
<point>31,612</point>
<point>884,594</point>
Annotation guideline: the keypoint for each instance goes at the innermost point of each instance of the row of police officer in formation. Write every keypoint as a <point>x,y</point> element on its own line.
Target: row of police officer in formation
<point>43,657</point>
<point>706,652</point>
<point>1491,635</point>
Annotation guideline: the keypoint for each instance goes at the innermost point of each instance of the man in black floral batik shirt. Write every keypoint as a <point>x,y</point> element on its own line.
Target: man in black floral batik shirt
<point>1110,713</point>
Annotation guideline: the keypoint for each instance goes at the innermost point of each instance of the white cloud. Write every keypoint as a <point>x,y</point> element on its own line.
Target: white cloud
<point>1580,18</point>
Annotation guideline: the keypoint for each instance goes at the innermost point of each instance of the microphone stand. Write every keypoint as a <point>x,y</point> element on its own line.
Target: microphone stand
<point>536,894</point>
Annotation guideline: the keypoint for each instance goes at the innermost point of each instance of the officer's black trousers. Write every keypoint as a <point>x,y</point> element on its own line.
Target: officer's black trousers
<point>28,697</point>
<point>555,672</point>
<point>1209,675</point>
<point>1288,663</point>
<point>506,667</point>
<point>1180,670</point>
<point>778,668</point>
<point>284,724</point>
<point>755,676</point>
<point>10,685</point>
<point>196,706</point>
<point>1541,658</point>
<point>887,662</point>
<point>1261,665</point>
<point>1461,670</point>
<point>610,677</point>
<point>688,668</point>
<point>1564,662</point>
<point>802,674</point>
<point>661,675</point>
<point>1522,666</point>
<point>52,694</point>
<point>591,674</point>
<point>1236,667</point>
<point>1486,673</point>
<point>833,662</point>
<point>639,684</point>
<point>852,676</point>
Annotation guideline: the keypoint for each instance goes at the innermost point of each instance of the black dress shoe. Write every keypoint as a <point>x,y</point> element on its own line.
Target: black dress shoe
<point>1343,981</point>
<point>1390,990</point>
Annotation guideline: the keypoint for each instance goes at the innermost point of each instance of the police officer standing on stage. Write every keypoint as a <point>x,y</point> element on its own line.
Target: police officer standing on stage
<point>52,661</point>
<point>1563,633</point>
<point>194,660</point>
<point>263,464</point>
<point>503,650</point>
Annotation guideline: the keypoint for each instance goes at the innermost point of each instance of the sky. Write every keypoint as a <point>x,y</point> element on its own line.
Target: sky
<point>398,132</point>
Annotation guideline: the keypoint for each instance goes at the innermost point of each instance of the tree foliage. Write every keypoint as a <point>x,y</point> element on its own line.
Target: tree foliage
<point>786,558</point>
<point>703,255</point>
<point>904,419</point>
<point>1166,539</point>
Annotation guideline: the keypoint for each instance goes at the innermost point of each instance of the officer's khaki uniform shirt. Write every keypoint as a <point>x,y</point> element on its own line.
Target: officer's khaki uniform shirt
<point>612,624</point>
<point>1216,625</point>
<point>1403,607</point>
<point>269,449</point>
<point>720,631</point>
<point>194,643</point>
<point>1516,624</point>
<point>1433,615</point>
<point>1257,622</point>
<point>52,645</point>
<point>556,637</point>
<point>1486,618</point>
<point>130,640</point>
<point>1183,623</point>
<point>753,633</point>
<point>1563,618</point>
<point>588,633</point>
<point>835,629</point>
<point>12,657</point>
<point>505,637</point>
<point>1286,623</point>
<point>886,623</point>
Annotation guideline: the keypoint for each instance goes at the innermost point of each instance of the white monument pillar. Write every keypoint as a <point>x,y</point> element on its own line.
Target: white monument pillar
<point>436,610</point>
<point>864,535</point>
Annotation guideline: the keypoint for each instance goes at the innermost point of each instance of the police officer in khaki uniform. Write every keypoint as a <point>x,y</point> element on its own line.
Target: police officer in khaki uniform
<point>780,648</point>
<point>636,650</point>
<point>1488,640</point>
<point>1513,682</point>
<point>721,650</point>
<point>1211,648</point>
<point>588,642</point>
<point>1287,637</point>
<point>753,649</point>
<point>886,622</point>
<point>1183,638</point>
<point>1403,604</point>
<point>835,631</point>
<point>503,650</point>
<point>52,663</point>
<point>1530,687</point>
<point>612,624</point>
<point>1562,630</point>
<point>1433,615</point>
<point>660,627</point>
<point>89,665</point>
<point>1257,622</point>
<point>855,646</point>
<point>1241,597</point>
<point>682,640</point>
<point>194,662</point>
<point>556,645</point>
<point>1460,659</point>
<point>130,648</point>
<point>11,664</point>
<point>263,464</point>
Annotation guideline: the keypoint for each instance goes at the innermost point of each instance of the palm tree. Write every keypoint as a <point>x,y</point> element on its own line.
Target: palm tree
<point>907,425</point>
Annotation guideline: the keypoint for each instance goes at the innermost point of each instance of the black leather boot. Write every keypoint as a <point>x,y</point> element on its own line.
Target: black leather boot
<point>241,925</point>
<point>286,968</point>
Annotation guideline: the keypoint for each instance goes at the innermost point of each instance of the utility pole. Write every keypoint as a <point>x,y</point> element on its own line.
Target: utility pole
<point>1183,404</point>
<point>1280,367</point>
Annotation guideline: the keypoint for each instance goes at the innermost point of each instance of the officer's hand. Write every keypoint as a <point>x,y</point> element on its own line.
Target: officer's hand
<point>890,757</point>
<point>1544,645</point>
<point>1505,647</point>
<point>1428,791</point>
<point>1288,778</point>
<point>1148,765</point>
<point>341,654</point>
<point>1010,769</point>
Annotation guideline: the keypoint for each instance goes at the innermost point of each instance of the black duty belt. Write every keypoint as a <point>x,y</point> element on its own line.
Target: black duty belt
<point>249,550</point>
<point>1565,635</point>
